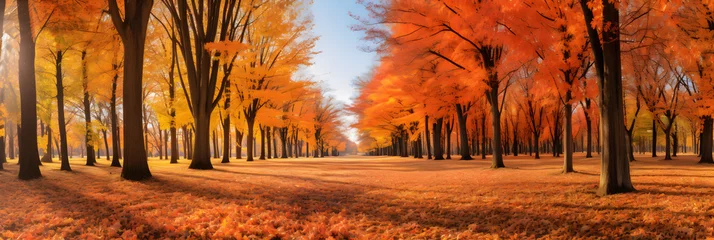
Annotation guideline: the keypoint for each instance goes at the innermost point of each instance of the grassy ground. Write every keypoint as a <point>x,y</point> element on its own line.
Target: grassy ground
<point>360,197</point>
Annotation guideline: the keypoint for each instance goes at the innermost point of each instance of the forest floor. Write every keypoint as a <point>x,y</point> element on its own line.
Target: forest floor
<point>360,197</point>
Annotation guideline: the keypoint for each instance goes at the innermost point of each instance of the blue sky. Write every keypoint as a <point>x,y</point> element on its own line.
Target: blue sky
<point>340,60</point>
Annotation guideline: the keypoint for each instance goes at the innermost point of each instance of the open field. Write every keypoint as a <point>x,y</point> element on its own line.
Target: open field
<point>360,197</point>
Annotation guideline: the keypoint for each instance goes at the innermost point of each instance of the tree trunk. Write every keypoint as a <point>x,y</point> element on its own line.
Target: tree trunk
<point>654,138</point>
<point>483,136</point>
<point>589,138</point>
<point>106,143</point>
<point>11,138</point>
<point>297,144</point>
<point>497,158</point>
<point>227,130</point>
<point>268,136</point>
<point>630,149</point>
<point>675,142</point>
<point>449,128</point>
<point>249,140</point>
<point>48,154</point>
<point>239,144</point>
<point>283,141</point>
<point>114,119</point>
<point>133,33</point>
<point>201,157</point>
<point>64,158</point>
<point>86,101</point>
<point>28,97</point>
<point>568,135</point>
<point>705,141</point>
<point>428,140</point>
<point>615,167</point>
<point>275,143</point>
<point>262,142</point>
<point>436,130</point>
<point>667,142</point>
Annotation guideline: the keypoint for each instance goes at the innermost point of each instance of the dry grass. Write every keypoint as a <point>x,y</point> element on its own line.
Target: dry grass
<point>359,197</point>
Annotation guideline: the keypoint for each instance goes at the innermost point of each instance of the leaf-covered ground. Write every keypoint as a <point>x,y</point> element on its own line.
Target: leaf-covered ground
<point>360,197</point>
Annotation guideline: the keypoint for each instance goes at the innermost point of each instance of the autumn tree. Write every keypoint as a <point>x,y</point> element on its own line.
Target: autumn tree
<point>604,34</point>
<point>131,26</point>
<point>222,21</point>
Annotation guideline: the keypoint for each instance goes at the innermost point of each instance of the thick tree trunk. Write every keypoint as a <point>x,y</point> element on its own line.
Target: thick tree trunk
<point>568,136</point>
<point>449,128</point>
<point>275,143</point>
<point>497,158</point>
<point>262,142</point>
<point>667,142</point>
<point>249,150</point>
<point>536,144</point>
<point>29,169</point>
<point>705,141</point>
<point>201,144</point>
<point>283,141</point>
<point>615,167</point>
<point>483,136</point>
<point>133,33</point>
<point>436,131</point>
<point>428,139</point>
<point>268,136</point>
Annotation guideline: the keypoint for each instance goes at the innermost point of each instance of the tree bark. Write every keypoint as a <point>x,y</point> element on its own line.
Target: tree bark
<point>28,97</point>
<point>116,149</point>
<point>64,158</point>
<point>615,167</point>
<point>11,134</point>
<point>86,101</point>
<point>705,141</point>
<point>449,128</point>
<point>568,135</point>
<point>589,138</point>
<point>106,143</point>
<point>249,149</point>
<point>268,136</point>
<point>283,141</point>
<point>428,140</point>
<point>654,138</point>
<point>262,142</point>
<point>483,136</point>
<point>48,154</point>
<point>239,144</point>
<point>133,34</point>
<point>436,130</point>
<point>667,146</point>
<point>497,158</point>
